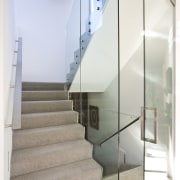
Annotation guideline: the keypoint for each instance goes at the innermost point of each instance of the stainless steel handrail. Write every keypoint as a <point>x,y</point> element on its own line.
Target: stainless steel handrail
<point>173,2</point>
<point>143,124</point>
<point>117,132</point>
<point>16,118</point>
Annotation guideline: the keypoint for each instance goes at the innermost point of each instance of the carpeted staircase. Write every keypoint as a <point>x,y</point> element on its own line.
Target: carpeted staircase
<point>50,144</point>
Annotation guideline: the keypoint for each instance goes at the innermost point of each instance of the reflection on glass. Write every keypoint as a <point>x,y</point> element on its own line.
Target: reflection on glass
<point>99,79</point>
<point>73,45</point>
<point>131,89</point>
<point>159,66</point>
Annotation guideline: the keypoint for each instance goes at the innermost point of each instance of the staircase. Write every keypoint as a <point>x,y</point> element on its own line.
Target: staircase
<point>50,144</point>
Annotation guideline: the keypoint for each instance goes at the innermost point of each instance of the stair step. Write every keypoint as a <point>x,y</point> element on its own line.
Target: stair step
<point>46,106</point>
<point>127,167</point>
<point>34,159</point>
<point>135,173</point>
<point>48,135</point>
<point>36,86</point>
<point>37,120</point>
<point>44,95</point>
<point>81,170</point>
<point>110,169</point>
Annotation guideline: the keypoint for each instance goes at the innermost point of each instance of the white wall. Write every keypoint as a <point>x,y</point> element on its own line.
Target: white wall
<point>73,34</point>
<point>7,37</point>
<point>177,93</point>
<point>42,25</point>
<point>1,90</point>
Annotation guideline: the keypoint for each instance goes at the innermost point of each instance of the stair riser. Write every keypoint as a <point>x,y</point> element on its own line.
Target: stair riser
<point>42,86</point>
<point>44,96</point>
<point>35,162</point>
<point>30,121</point>
<point>22,139</point>
<point>40,106</point>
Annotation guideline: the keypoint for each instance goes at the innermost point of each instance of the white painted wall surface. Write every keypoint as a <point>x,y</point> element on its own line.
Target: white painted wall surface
<point>1,90</point>
<point>73,34</point>
<point>7,39</point>
<point>177,93</point>
<point>42,25</point>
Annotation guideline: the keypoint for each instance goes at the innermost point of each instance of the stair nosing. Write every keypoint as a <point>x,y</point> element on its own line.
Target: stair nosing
<point>40,91</point>
<point>46,101</point>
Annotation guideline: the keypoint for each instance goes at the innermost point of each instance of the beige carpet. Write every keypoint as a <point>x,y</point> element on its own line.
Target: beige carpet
<point>50,144</point>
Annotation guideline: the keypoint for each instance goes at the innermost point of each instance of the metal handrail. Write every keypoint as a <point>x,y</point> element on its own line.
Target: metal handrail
<point>117,132</point>
<point>16,121</point>
<point>173,2</point>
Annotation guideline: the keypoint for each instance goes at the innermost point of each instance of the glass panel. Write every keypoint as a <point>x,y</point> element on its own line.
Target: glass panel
<point>131,153</point>
<point>99,78</point>
<point>73,56</point>
<point>107,155</point>
<point>73,46</point>
<point>150,119</point>
<point>131,88</point>
<point>159,67</point>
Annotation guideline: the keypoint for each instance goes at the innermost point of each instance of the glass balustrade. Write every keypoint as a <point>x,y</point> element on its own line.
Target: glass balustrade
<point>99,79</point>
<point>72,42</point>
<point>159,88</point>
<point>119,65</point>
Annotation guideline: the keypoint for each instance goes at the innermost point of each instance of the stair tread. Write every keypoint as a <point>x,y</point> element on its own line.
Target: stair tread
<point>38,158</point>
<point>75,171</point>
<point>47,135</point>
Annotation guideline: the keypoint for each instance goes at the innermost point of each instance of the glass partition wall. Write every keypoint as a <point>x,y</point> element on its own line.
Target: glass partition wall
<point>119,59</point>
<point>159,88</point>
<point>131,88</point>
<point>99,80</point>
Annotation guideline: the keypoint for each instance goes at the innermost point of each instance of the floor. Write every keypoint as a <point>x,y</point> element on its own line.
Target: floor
<point>153,163</point>
<point>148,176</point>
<point>135,174</point>
<point>155,176</point>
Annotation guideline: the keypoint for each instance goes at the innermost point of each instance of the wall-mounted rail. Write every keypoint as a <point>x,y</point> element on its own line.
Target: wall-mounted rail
<point>16,121</point>
<point>119,131</point>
